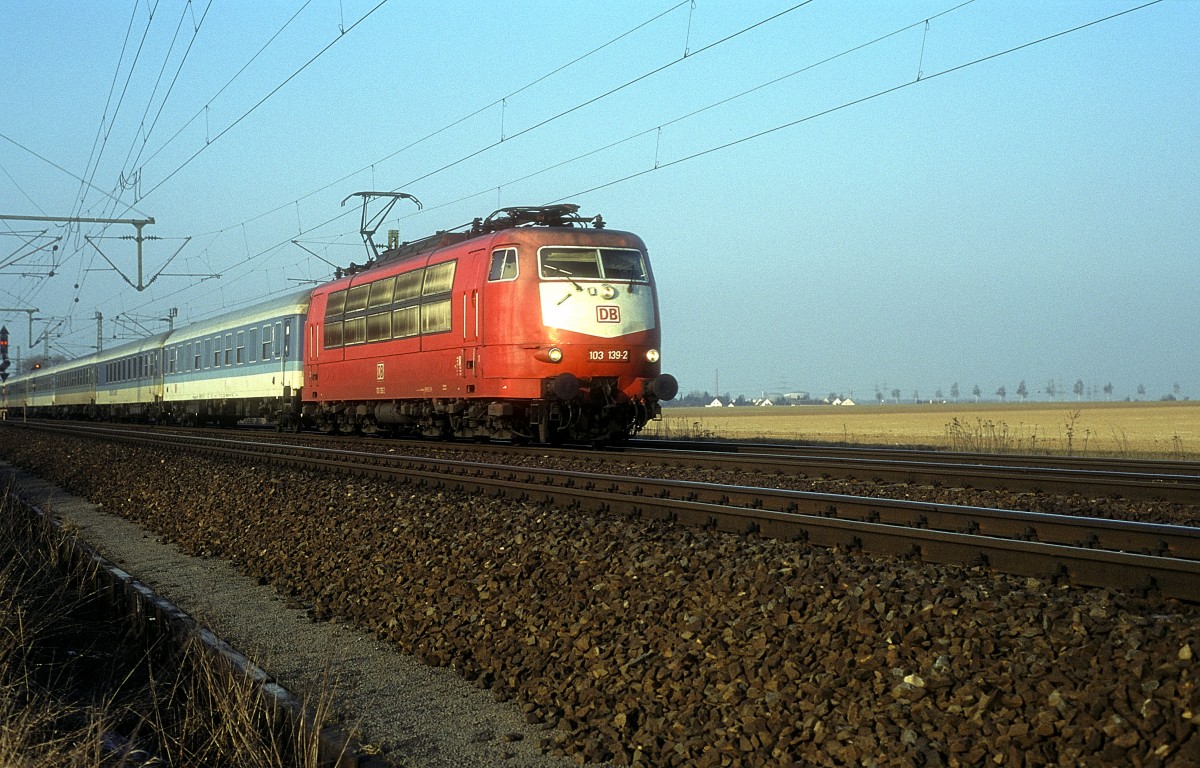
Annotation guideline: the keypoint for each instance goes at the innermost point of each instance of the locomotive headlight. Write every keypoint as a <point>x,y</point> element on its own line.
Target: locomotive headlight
<point>552,355</point>
<point>652,355</point>
<point>608,293</point>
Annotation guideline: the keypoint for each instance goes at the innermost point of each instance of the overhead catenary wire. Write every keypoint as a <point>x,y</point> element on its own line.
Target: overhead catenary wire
<point>760,134</point>
<point>564,112</point>
<point>768,131</point>
<point>853,102</point>
<point>264,99</point>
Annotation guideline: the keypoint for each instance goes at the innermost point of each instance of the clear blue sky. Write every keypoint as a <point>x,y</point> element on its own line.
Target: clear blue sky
<point>1030,216</point>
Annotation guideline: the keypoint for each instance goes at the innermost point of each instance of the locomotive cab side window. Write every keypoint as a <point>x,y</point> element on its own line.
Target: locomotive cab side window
<point>504,265</point>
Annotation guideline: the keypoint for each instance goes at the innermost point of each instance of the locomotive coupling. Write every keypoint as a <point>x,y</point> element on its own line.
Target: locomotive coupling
<point>564,386</point>
<point>661,387</point>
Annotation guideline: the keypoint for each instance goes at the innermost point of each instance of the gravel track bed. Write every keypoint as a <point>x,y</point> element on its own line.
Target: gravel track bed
<point>639,642</point>
<point>615,463</point>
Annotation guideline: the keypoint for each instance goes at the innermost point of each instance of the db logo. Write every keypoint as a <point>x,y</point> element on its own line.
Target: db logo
<point>608,314</point>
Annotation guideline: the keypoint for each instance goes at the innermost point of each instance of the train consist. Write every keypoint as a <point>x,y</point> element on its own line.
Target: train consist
<point>535,325</point>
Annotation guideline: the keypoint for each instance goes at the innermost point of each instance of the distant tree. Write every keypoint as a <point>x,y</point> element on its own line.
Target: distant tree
<point>1001,392</point>
<point>977,392</point>
<point>693,398</point>
<point>1176,389</point>
<point>1108,390</point>
<point>939,396</point>
<point>1078,389</point>
<point>879,396</point>
<point>1051,388</point>
<point>896,395</point>
<point>1141,390</point>
<point>916,396</point>
<point>741,400</point>
<point>954,391</point>
<point>1022,392</point>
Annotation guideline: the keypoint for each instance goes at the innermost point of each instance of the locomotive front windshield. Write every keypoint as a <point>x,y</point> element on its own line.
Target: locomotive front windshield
<point>616,264</point>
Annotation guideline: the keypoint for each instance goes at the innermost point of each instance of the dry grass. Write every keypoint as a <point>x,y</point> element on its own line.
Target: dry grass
<point>82,687</point>
<point>1154,429</point>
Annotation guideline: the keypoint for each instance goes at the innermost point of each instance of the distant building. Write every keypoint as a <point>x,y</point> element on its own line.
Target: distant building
<point>716,403</point>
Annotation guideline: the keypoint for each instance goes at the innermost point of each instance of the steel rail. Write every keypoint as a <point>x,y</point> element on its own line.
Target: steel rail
<point>1083,551</point>
<point>1137,486</point>
<point>1091,463</point>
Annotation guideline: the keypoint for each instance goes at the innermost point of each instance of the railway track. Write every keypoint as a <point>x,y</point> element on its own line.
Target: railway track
<point>1107,464</point>
<point>1123,555</point>
<point>1151,480</point>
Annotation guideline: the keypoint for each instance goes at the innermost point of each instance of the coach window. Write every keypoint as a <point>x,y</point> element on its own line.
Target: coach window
<point>406,322</point>
<point>172,356</point>
<point>435,316</point>
<point>381,293</point>
<point>241,347</point>
<point>439,278</point>
<point>229,349</point>
<point>408,286</point>
<point>266,343</point>
<point>504,265</point>
<point>333,334</point>
<point>208,353</point>
<point>278,336</point>
<point>356,298</point>
<point>335,305</point>
<point>252,344</point>
<point>354,331</point>
<point>379,326</point>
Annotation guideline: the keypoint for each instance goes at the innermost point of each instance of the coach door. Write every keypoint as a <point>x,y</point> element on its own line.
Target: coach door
<point>470,308</point>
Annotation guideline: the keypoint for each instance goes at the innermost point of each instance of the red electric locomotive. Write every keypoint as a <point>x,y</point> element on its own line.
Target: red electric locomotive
<point>535,325</point>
